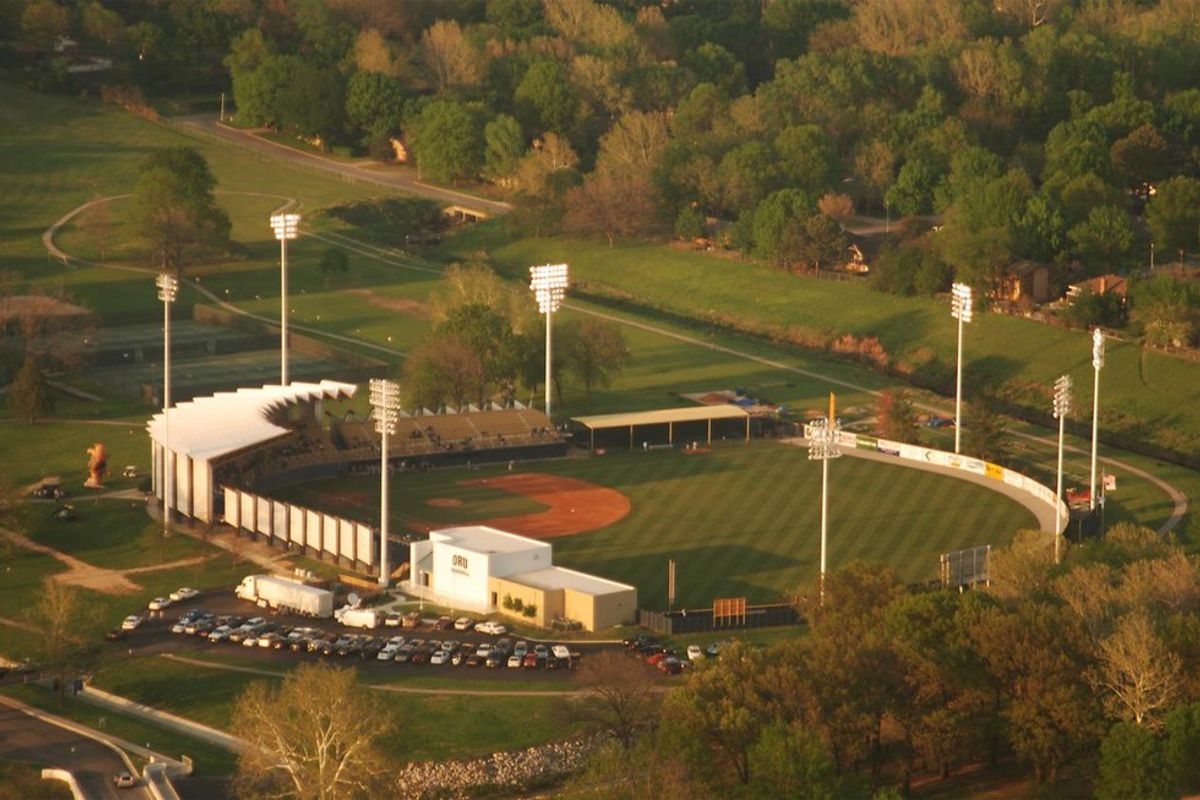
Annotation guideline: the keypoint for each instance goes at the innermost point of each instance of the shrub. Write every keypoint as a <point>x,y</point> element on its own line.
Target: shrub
<point>518,604</point>
<point>507,602</point>
<point>530,611</point>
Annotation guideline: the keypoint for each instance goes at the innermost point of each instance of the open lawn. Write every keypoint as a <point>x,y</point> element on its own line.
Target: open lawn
<point>1139,388</point>
<point>109,533</point>
<point>742,520</point>
<point>32,452</point>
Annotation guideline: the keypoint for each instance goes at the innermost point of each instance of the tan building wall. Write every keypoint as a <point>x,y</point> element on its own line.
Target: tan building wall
<point>549,603</point>
<point>597,612</point>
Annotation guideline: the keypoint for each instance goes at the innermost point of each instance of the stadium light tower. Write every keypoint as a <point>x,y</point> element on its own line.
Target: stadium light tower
<point>286,227</point>
<point>549,285</point>
<point>168,290</point>
<point>1097,363</point>
<point>385,399</point>
<point>823,446</point>
<point>960,309</point>
<point>1062,407</point>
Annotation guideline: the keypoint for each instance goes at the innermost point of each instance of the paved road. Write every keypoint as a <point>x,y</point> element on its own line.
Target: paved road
<point>24,738</point>
<point>400,181</point>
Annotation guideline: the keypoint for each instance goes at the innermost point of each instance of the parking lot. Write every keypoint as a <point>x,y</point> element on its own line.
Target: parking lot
<point>291,639</point>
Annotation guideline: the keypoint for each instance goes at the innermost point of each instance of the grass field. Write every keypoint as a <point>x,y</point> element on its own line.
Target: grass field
<point>743,520</point>
<point>1139,388</point>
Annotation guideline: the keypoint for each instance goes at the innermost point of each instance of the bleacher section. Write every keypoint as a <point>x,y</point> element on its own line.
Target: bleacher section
<point>428,434</point>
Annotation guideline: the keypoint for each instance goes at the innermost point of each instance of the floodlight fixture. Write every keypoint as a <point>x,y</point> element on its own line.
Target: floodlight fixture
<point>1097,364</point>
<point>1062,407</point>
<point>168,287</point>
<point>960,309</point>
<point>549,284</point>
<point>286,227</point>
<point>385,400</point>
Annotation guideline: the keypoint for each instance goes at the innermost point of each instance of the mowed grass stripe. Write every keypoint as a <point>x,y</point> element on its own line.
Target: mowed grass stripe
<point>745,519</point>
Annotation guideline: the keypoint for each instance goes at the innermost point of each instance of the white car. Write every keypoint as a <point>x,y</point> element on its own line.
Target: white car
<point>159,603</point>
<point>131,622</point>
<point>494,628</point>
<point>387,653</point>
<point>183,593</point>
<point>440,657</point>
<point>484,650</point>
<point>220,634</point>
<point>515,661</point>
<point>251,640</point>
<point>561,652</point>
<point>695,653</point>
<point>463,624</point>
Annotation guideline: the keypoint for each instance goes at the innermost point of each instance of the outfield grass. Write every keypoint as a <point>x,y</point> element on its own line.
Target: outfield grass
<point>743,520</point>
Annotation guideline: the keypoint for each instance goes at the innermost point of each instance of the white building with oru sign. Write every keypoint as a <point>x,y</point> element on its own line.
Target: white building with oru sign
<point>478,568</point>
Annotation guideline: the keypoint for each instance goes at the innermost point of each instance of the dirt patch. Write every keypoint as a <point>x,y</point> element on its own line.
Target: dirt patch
<point>38,306</point>
<point>443,502</point>
<point>404,305</point>
<point>573,506</point>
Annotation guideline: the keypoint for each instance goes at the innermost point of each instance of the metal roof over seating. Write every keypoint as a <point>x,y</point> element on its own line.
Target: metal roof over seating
<point>661,416</point>
<point>209,427</point>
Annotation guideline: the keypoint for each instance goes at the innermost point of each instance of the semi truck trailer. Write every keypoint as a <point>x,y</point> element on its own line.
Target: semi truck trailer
<point>286,594</point>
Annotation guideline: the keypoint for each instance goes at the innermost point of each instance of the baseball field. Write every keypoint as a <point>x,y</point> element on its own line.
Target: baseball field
<point>743,519</point>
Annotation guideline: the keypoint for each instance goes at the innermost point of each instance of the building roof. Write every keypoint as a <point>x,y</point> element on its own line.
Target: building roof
<point>209,427</point>
<point>1102,284</point>
<point>486,540</point>
<point>662,416</point>
<point>563,578</point>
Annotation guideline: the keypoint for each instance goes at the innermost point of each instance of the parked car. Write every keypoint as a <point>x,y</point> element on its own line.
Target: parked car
<point>421,655</point>
<point>116,635</point>
<point>654,660</point>
<point>269,640</point>
<point>183,593</point>
<point>514,661</point>
<point>159,603</point>
<point>494,659</point>
<point>132,622</point>
<point>123,780</point>
<point>460,655</point>
<point>670,666</point>
<point>504,646</point>
<point>393,619</point>
<point>220,634</point>
<point>404,653</point>
<point>490,627</point>
<point>443,623</point>
<point>473,660</point>
<point>541,652</point>
<point>552,663</point>
<point>464,624</point>
<point>531,661</point>
<point>411,620</point>
<point>695,653</point>
<point>561,652</point>
<point>521,649</point>
<point>483,650</point>
<point>440,657</point>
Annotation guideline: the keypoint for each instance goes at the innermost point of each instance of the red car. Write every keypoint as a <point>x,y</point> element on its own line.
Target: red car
<point>658,657</point>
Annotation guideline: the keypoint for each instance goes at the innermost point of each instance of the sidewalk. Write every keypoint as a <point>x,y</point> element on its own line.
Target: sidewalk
<point>123,705</point>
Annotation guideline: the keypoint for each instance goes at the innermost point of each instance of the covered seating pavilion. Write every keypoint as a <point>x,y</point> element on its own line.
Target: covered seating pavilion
<point>695,418</point>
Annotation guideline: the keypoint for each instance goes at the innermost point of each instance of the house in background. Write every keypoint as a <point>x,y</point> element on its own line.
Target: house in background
<point>1101,285</point>
<point>1026,281</point>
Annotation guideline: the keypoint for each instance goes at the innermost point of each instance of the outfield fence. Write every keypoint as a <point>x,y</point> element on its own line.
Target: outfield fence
<point>702,620</point>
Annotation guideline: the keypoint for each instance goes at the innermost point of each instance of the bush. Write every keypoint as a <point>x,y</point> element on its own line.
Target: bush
<point>518,604</point>
<point>689,224</point>
<point>530,611</point>
<point>1133,764</point>
<point>507,602</point>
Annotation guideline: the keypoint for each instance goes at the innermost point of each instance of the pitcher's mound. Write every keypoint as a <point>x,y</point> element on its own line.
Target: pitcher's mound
<point>443,502</point>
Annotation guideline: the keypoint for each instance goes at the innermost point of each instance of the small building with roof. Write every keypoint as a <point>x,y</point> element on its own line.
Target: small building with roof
<point>480,568</point>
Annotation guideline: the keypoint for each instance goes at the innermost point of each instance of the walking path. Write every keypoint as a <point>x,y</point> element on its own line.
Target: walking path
<point>101,579</point>
<point>197,730</point>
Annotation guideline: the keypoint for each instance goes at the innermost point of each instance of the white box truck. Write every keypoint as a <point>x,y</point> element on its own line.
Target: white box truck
<point>358,617</point>
<point>286,594</point>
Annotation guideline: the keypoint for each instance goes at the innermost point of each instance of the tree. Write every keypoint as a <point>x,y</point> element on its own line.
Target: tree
<point>1142,157</point>
<point>1105,240</point>
<point>593,350</point>
<point>613,206</point>
<point>373,54</point>
<point>1174,215</point>
<point>747,174</point>
<point>544,98</point>
<point>634,145</point>
<point>1140,675</point>
<point>444,370</point>
<point>374,104</point>
<point>621,699</point>
<point>96,222</point>
<point>101,25</point>
<point>448,140</point>
<point>1023,568</point>
<point>44,20</point>
<point>690,223</point>
<point>1182,728</point>
<point>985,433</point>
<point>504,145</point>
<point>1133,764</point>
<point>912,192</point>
<point>174,208</point>
<point>1167,309</point>
<point>62,619</point>
<point>791,761</point>
<point>312,104</point>
<point>449,57</point>
<point>314,736</point>
<point>897,417</point>
<point>30,393</point>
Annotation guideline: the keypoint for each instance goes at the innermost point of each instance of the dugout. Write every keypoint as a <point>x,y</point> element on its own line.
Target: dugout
<point>663,427</point>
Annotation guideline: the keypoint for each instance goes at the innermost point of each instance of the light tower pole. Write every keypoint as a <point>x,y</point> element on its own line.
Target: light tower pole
<point>286,227</point>
<point>1097,363</point>
<point>549,284</point>
<point>823,446</point>
<point>385,399</point>
<point>1062,407</point>
<point>168,290</point>
<point>960,309</point>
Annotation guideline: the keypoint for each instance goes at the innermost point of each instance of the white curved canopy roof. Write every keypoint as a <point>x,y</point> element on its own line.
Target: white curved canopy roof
<point>208,427</point>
